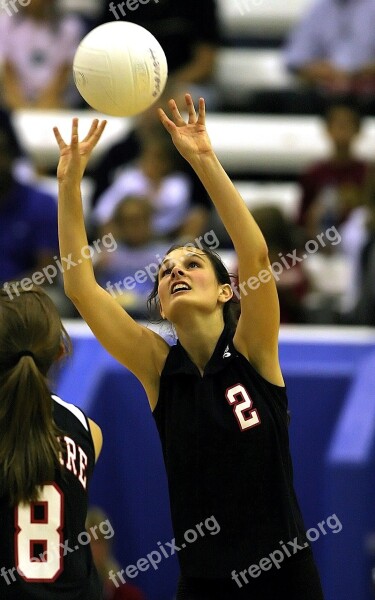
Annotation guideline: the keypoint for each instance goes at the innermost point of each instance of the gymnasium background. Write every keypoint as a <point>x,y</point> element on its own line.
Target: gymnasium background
<point>329,371</point>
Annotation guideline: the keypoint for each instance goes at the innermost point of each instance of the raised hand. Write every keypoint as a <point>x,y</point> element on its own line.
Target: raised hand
<point>75,156</point>
<point>191,138</point>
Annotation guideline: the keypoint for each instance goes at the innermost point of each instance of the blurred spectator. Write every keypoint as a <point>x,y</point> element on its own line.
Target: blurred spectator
<point>282,238</point>
<point>127,150</point>
<point>187,32</point>
<point>22,167</point>
<point>37,47</point>
<point>332,188</point>
<point>105,562</point>
<point>332,50</point>
<point>155,174</point>
<point>8,130</point>
<point>129,272</point>
<point>358,241</point>
<point>28,220</point>
<point>28,227</point>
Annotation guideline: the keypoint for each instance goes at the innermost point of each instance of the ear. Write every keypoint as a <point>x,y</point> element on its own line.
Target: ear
<point>225,293</point>
<point>61,352</point>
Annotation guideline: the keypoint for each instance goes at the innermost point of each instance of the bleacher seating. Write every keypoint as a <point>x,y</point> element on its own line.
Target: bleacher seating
<point>241,71</point>
<point>89,8</point>
<point>244,143</point>
<point>285,196</point>
<point>257,18</point>
<point>238,18</point>
<point>34,128</point>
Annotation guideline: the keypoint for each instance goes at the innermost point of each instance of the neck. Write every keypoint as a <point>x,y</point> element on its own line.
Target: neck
<point>199,338</point>
<point>343,155</point>
<point>40,16</point>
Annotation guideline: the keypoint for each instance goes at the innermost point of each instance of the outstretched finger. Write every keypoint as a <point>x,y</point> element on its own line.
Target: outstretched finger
<point>191,109</point>
<point>94,126</point>
<point>74,138</point>
<point>98,132</point>
<point>202,112</point>
<point>168,124</point>
<point>59,138</point>
<point>176,114</point>
<point>95,133</point>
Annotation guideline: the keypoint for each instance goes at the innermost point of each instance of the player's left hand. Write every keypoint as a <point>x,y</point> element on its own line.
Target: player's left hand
<point>191,138</point>
<point>75,156</point>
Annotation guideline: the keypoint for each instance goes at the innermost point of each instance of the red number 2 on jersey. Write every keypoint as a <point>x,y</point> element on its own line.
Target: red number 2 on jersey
<point>239,398</point>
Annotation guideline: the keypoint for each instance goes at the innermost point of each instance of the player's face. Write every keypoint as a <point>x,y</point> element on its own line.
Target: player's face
<point>187,277</point>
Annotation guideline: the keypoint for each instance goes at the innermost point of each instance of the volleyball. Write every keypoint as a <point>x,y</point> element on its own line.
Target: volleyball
<point>120,69</point>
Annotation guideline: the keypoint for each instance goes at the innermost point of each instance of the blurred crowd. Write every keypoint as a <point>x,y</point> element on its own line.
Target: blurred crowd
<point>147,198</point>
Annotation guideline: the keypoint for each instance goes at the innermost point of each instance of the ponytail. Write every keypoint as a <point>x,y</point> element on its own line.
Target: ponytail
<point>29,439</point>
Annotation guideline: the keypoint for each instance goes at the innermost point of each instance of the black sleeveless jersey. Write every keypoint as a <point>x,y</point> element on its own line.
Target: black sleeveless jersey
<point>44,548</point>
<point>226,450</point>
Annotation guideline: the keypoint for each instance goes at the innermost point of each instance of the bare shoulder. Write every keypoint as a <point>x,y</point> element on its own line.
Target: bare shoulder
<point>97,437</point>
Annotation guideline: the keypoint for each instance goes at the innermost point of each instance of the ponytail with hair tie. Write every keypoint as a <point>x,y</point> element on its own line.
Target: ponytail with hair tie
<point>25,353</point>
<point>13,360</point>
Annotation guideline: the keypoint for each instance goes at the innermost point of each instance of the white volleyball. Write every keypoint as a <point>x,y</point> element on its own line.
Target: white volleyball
<point>120,69</point>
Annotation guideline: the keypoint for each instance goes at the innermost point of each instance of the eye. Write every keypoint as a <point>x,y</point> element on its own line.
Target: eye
<point>165,271</point>
<point>193,263</point>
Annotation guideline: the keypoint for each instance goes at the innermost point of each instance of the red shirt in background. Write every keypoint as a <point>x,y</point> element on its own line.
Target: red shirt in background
<point>329,173</point>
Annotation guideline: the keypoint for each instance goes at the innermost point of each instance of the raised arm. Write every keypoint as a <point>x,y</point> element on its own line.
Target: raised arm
<point>257,331</point>
<point>139,349</point>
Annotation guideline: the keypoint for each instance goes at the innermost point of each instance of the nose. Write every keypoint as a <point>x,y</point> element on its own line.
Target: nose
<point>177,270</point>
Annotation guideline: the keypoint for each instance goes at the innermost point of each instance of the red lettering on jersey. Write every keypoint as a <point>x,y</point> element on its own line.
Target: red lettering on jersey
<point>82,466</point>
<point>75,460</point>
<point>71,455</point>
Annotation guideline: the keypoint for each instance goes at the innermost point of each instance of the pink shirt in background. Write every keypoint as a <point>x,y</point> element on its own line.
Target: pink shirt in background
<point>37,50</point>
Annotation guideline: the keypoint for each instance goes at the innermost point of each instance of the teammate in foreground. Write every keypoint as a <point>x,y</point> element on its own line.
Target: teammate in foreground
<point>218,396</point>
<point>47,455</point>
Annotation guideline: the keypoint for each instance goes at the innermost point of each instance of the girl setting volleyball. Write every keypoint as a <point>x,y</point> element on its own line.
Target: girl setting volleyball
<point>218,396</point>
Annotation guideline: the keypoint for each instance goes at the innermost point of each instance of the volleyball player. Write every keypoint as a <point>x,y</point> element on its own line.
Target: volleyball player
<point>47,455</point>
<point>218,396</point>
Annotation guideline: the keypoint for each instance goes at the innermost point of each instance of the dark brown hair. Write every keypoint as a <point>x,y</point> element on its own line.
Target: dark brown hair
<point>230,308</point>
<point>29,439</point>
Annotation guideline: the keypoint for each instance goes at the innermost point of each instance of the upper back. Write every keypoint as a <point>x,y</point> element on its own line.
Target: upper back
<point>53,524</point>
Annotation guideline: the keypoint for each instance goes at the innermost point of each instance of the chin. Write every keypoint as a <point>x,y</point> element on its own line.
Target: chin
<point>179,304</point>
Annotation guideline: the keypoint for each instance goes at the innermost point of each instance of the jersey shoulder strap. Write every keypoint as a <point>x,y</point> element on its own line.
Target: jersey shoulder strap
<point>74,410</point>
